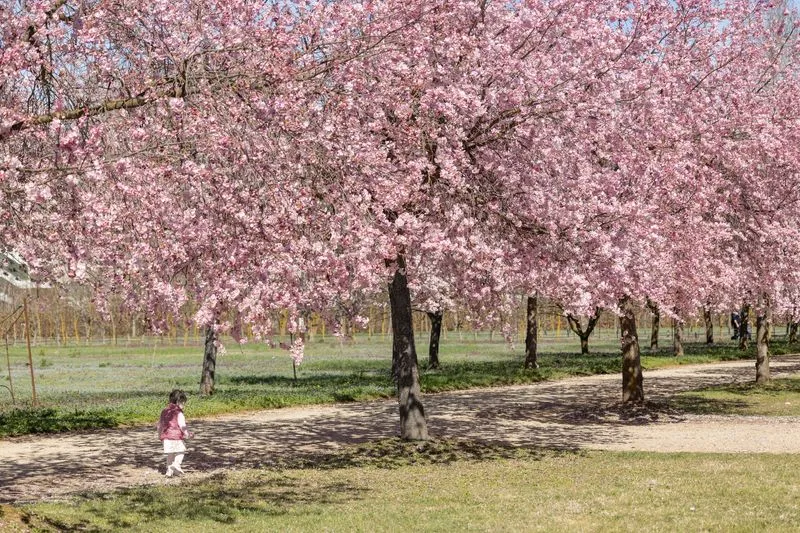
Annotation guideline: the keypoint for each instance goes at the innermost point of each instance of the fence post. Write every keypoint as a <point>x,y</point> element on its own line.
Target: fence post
<point>28,341</point>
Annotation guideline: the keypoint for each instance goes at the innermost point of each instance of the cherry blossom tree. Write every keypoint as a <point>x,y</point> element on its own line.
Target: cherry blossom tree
<point>254,158</point>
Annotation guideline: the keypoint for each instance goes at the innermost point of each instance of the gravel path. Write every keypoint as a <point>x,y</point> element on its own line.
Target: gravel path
<point>573,413</point>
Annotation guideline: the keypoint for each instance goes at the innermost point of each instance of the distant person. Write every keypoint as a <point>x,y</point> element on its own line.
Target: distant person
<point>736,323</point>
<point>172,431</point>
<point>748,331</point>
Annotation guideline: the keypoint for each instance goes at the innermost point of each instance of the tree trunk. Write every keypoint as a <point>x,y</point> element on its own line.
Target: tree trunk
<point>793,332</point>
<point>632,379</point>
<point>404,357</point>
<point>583,334</point>
<point>531,335</point>
<point>656,324</point>
<point>677,338</point>
<point>763,334</point>
<point>709,326</point>
<point>113,331</point>
<point>436,332</point>
<point>744,327</point>
<point>209,362</point>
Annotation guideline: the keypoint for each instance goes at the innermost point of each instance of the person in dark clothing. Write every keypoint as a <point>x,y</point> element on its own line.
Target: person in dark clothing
<point>736,323</point>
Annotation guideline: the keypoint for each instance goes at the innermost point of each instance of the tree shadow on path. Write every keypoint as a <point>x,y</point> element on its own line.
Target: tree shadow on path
<point>565,415</point>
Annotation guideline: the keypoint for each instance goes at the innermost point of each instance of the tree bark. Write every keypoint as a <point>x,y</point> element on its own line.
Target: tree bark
<point>583,334</point>
<point>763,334</point>
<point>656,325</point>
<point>532,334</point>
<point>584,345</point>
<point>632,379</point>
<point>709,326</point>
<point>436,332</point>
<point>744,326</point>
<point>793,332</point>
<point>404,356</point>
<point>209,362</point>
<point>677,338</point>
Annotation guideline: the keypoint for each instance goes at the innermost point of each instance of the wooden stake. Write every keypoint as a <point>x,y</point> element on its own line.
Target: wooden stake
<point>30,355</point>
<point>10,382</point>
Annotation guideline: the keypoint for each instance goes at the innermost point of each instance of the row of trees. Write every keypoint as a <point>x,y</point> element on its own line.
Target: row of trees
<point>254,157</point>
<point>68,317</point>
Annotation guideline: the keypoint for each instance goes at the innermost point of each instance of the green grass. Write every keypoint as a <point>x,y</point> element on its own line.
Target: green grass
<point>85,387</point>
<point>779,397</point>
<point>458,486</point>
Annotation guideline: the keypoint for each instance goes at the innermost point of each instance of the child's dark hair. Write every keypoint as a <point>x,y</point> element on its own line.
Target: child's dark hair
<point>177,396</point>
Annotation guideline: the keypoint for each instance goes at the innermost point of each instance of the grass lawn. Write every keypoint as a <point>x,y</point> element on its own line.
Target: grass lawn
<point>459,486</point>
<point>779,397</point>
<point>85,387</point>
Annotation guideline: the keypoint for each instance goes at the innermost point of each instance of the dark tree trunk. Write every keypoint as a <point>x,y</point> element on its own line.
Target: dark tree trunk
<point>677,338</point>
<point>583,334</point>
<point>709,326</point>
<point>793,332</point>
<point>656,325</point>
<point>436,332</point>
<point>632,379</point>
<point>744,327</point>
<point>584,344</point>
<point>404,356</point>
<point>531,336</point>
<point>209,362</point>
<point>763,334</point>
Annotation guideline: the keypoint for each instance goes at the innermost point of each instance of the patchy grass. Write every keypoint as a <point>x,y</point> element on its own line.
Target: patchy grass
<point>86,387</point>
<point>779,397</point>
<point>13,519</point>
<point>455,486</point>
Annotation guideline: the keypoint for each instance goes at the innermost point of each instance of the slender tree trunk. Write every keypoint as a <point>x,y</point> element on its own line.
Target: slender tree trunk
<point>436,332</point>
<point>763,334</point>
<point>656,325</point>
<point>632,379</point>
<point>532,334</point>
<point>677,338</point>
<point>113,331</point>
<point>209,362</point>
<point>793,332</point>
<point>404,356</point>
<point>709,326</point>
<point>744,327</point>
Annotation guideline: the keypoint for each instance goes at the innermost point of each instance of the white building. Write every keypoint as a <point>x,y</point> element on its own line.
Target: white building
<point>13,273</point>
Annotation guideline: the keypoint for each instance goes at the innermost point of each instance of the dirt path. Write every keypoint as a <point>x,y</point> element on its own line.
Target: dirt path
<point>573,413</point>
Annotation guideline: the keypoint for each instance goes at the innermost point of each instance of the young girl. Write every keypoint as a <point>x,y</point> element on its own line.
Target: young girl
<point>172,430</point>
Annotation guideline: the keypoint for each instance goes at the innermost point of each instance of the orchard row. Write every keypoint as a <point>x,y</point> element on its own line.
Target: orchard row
<point>257,157</point>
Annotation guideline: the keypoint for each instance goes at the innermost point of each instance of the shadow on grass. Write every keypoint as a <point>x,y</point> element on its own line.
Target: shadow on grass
<point>700,405</point>
<point>735,398</point>
<point>219,499</point>
<point>457,375</point>
<point>272,489</point>
<point>48,420</point>
<point>327,381</point>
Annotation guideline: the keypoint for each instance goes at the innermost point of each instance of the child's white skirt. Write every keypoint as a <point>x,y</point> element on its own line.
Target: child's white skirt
<point>174,446</point>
